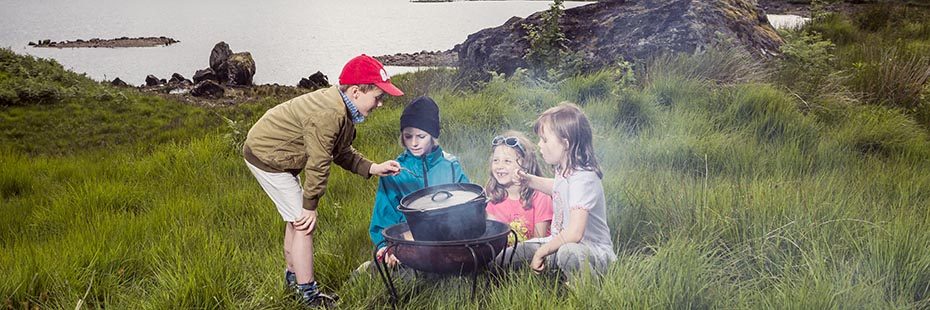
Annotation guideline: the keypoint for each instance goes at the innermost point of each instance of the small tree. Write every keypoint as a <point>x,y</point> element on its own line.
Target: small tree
<point>547,42</point>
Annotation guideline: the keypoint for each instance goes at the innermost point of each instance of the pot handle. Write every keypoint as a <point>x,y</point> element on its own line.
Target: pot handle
<point>448,195</point>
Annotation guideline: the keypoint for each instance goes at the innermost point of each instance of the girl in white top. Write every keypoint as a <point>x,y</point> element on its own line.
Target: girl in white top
<point>580,235</point>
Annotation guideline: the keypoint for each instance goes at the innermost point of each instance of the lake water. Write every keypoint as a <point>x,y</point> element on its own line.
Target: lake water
<point>288,39</point>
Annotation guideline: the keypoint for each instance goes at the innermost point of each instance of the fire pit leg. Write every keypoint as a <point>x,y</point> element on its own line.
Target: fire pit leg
<point>487,277</point>
<point>474,272</point>
<point>512,253</point>
<point>384,272</point>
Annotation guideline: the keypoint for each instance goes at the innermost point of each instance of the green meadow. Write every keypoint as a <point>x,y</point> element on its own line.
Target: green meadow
<point>803,183</point>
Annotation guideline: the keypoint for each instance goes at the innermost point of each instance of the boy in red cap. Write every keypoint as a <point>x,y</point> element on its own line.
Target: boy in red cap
<point>308,134</point>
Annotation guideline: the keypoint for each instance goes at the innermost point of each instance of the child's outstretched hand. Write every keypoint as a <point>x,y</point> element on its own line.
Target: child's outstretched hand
<point>539,262</point>
<point>389,167</point>
<point>388,258</point>
<point>521,176</point>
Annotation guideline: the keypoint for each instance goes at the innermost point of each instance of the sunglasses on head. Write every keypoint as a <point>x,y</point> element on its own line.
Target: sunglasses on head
<point>508,141</point>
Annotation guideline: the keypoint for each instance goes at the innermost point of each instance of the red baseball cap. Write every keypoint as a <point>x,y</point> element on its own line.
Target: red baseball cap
<point>364,69</point>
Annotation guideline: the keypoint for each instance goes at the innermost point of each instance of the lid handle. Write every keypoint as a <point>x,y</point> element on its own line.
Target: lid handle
<point>446,193</point>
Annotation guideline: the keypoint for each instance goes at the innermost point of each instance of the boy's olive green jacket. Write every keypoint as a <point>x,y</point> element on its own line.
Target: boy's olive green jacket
<point>306,133</point>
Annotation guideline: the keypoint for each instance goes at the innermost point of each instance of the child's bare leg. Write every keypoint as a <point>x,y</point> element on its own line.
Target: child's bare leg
<point>289,233</point>
<point>302,256</point>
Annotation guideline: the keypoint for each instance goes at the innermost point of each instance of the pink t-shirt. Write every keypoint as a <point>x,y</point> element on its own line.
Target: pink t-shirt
<point>510,211</point>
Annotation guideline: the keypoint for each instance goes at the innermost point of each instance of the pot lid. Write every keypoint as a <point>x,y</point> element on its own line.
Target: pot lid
<point>442,199</point>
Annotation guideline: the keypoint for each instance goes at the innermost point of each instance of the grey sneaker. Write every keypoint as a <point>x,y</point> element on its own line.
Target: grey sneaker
<point>290,280</point>
<point>310,296</point>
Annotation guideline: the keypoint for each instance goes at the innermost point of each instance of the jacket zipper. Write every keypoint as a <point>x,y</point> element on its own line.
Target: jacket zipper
<point>425,173</point>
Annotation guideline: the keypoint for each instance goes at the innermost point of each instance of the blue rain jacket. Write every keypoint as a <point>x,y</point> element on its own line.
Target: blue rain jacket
<point>435,168</point>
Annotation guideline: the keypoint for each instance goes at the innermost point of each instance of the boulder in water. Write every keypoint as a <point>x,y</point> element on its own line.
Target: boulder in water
<point>151,80</point>
<point>176,78</point>
<point>315,81</point>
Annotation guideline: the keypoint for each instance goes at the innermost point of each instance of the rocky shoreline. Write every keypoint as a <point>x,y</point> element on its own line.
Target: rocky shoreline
<point>804,9</point>
<point>226,81</point>
<point>447,58</point>
<point>107,43</point>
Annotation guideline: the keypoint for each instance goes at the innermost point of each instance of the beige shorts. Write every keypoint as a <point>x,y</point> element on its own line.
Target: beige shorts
<point>284,189</point>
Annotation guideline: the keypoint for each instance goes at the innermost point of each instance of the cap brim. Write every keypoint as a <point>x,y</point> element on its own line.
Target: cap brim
<point>390,89</point>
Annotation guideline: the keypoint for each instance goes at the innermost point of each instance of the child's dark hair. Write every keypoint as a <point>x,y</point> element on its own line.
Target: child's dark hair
<point>527,161</point>
<point>567,121</point>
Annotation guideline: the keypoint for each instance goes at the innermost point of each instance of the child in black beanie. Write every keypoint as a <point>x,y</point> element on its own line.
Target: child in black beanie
<point>423,163</point>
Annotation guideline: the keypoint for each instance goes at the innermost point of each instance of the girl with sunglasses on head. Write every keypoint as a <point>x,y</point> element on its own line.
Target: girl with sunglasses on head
<point>510,200</point>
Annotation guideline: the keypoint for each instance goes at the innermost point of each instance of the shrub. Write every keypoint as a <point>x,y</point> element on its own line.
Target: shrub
<point>807,65</point>
<point>836,28</point>
<point>26,80</point>
<point>547,41</point>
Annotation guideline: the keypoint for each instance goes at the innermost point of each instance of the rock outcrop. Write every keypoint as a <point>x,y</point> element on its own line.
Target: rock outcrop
<point>218,57</point>
<point>208,89</point>
<point>240,68</point>
<point>205,74</point>
<point>119,83</point>
<point>226,67</point>
<point>633,29</point>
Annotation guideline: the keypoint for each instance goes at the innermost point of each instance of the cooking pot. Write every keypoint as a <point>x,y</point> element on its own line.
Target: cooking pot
<point>445,212</point>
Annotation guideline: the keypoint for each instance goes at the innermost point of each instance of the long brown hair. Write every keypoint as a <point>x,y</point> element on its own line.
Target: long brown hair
<point>568,121</point>
<point>527,161</point>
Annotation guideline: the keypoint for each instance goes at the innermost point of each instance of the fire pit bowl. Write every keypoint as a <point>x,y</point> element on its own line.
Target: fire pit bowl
<point>448,257</point>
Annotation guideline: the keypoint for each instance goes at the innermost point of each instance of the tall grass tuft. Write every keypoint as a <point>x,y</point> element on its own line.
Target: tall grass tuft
<point>771,115</point>
<point>722,64</point>
<point>636,111</point>
<point>889,76</point>
<point>881,132</point>
<point>587,88</point>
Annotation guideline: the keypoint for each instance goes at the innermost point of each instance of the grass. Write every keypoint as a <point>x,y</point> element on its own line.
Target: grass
<point>721,193</point>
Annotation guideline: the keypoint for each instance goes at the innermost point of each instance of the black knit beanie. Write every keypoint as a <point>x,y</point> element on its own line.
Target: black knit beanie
<point>423,114</point>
